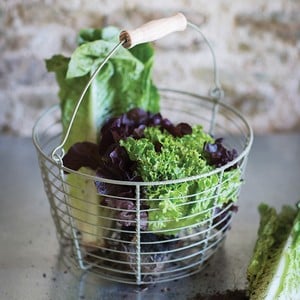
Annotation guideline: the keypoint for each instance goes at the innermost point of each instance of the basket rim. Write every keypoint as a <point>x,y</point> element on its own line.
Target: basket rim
<point>217,170</point>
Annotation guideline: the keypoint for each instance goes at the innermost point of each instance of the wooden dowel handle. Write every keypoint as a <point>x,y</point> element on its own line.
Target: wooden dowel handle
<point>153,30</point>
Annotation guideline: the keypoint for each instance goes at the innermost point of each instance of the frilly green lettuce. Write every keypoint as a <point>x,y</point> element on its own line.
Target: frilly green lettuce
<point>174,206</point>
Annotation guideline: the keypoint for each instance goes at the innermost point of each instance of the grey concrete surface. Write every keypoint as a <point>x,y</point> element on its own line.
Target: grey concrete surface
<point>31,266</point>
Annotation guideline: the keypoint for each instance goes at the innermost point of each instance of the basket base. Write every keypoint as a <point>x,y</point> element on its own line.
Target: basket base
<point>109,269</point>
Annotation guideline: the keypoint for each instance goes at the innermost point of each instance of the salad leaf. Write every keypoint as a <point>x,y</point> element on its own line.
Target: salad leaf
<point>178,205</point>
<point>217,155</point>
<point>274,269</point>
<point>111,93</point>
<point>124,82</point>
<point>142,146</point>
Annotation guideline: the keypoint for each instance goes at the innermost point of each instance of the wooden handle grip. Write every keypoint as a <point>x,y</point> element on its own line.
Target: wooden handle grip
<point>153,30</point>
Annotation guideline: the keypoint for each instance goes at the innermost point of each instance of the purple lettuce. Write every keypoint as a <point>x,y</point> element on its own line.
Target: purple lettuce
<point>133,123</point>
<point>217,155</point>
<point>83,154</point>
<point>111,161</point>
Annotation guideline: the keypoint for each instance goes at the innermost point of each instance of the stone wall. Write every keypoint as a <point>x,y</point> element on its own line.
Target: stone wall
<point>256,43</point>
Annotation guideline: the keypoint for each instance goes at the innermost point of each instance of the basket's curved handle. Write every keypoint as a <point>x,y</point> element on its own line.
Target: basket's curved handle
<point>148,32</point>
<point>153,30</point>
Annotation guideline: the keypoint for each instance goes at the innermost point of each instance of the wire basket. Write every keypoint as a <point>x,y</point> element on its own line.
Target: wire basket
<point>140,253</point>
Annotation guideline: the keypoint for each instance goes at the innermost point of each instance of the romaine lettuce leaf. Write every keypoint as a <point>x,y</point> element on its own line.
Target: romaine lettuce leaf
<point>124,82</point>
<point>274,269</point>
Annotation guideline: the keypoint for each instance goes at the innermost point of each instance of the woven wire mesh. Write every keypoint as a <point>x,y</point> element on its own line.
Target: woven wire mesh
<point>145,250</point>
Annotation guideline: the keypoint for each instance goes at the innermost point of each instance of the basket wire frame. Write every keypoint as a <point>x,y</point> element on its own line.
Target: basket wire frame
<point>123,255</point>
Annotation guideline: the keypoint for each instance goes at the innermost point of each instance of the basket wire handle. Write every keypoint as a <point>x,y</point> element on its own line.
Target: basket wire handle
<point>217,92</point>
<point>58,152</point>
<point>148,32</point>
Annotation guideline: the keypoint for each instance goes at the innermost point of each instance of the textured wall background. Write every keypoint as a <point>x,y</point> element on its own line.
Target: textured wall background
<point>256,42</point>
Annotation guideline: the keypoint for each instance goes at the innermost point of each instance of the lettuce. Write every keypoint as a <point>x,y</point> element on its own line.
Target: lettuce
<point>142,146</point>
<point>274,269</point>
<point>174,206</point>
<point>123,83</point>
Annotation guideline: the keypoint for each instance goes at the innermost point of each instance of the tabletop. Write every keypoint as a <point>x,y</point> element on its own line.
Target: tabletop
<point>31,264</point>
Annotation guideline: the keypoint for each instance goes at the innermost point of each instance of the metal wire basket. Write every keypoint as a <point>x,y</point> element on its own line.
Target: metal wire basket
<point>140,256</point>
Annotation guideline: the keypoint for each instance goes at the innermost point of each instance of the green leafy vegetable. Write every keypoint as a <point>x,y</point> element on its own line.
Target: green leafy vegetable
<point>274,269</point>
<point>174,206</point>
<point>123,83</point>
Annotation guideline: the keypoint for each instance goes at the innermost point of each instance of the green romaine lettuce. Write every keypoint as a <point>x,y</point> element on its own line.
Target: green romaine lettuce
<point>274,269</point>
<point>123,83</point>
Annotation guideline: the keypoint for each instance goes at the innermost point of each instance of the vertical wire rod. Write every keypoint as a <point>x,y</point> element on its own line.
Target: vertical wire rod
<point>138,234</point>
